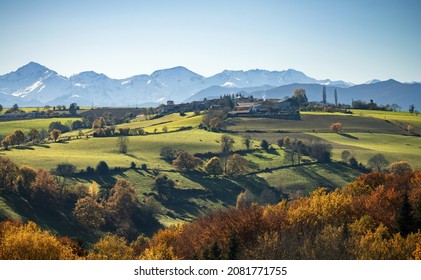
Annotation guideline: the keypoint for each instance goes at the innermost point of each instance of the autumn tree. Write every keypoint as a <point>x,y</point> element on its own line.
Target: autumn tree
<point>8,173</point>
<point>123,144</point>
<point>26,175</point>
<point>55,134</point>
<point>121,205</point>
<point>29,242</point>
<point>19,137</point>
<point>89,213</point>
<point>214,166</point>
<point>8,141</point>
<point>44,189</point>
<point>99,123</point>
<point>410,128</point>
<point>34,135</point>
<point>236,165</point>
<point>186,162</point>
<point>111,247</point>
<point>336,127</point>
<point>400,168</point>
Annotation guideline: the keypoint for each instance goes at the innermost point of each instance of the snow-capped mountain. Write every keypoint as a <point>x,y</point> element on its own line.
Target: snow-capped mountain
<point>35,84</point>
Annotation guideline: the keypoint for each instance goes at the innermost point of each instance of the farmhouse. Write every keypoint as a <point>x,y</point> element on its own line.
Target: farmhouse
<point>270,108</point>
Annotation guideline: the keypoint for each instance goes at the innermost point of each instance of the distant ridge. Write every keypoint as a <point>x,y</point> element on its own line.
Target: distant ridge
<point>36,85</point>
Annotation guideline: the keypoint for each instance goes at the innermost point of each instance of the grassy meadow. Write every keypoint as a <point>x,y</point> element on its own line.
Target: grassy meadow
<point>7,127</point>
<point>196,193</point>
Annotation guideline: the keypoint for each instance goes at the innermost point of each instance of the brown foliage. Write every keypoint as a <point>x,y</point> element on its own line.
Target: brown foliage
<point>89,213</point>
<point>186,162</point>
<point>44,189</point>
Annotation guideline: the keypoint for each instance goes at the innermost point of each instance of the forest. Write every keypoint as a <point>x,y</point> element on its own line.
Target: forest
<point>377,216</point>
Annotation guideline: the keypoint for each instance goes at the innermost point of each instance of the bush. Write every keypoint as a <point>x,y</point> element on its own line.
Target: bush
<point>132,165</point>
<point>167,153</point>
<point>144,166</point>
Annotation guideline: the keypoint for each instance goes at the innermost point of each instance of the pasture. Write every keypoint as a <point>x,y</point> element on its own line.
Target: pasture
<point>7,127</point>
<point>313,123</point>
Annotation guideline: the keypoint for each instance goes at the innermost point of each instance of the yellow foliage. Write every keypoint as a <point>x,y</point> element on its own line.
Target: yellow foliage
<point>159,252</point>
<point>417,252</point>
<point>111,247</point>
<point>93,189</point>
<point>320,209</point>
<point>29,242</point>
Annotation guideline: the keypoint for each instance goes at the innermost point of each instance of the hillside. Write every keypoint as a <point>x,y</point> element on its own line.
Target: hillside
<point>170,195</point>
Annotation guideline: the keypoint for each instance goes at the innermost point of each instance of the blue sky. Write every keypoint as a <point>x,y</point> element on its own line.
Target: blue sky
<point>354,40</point>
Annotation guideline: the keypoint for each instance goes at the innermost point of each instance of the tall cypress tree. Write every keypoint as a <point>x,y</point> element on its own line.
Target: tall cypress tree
<point>324,94</point>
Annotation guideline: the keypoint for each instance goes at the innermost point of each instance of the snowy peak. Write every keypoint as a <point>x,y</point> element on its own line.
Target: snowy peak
<point>373,81</point>
<point>36,84</point>
<point>33,68</point>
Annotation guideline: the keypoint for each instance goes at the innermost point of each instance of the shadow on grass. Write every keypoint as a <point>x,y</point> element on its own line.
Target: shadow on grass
<point>23,148</point>
<point>348,136</point>
<point>132,156</point>
<point>43,146</point>
<point>57,220</point>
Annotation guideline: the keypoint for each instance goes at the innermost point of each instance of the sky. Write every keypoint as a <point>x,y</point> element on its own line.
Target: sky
<point>351,40</point>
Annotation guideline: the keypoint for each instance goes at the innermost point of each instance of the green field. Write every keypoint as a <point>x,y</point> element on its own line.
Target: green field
<point>7,127</point>
<point>172,122</point>
<point>401,119</point>
<point>142,149</point>
<point>313,122</point>
<point>365,145</point>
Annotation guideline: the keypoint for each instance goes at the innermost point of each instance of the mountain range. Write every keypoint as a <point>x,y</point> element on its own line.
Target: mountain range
<point>36,85</point>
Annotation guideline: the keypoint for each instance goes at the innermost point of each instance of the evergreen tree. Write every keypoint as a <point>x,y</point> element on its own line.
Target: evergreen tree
<point>233,247</point>
<point>405,217</point>
<point>336,97</point>
<point>324,94</point>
